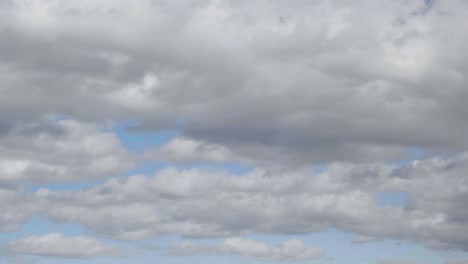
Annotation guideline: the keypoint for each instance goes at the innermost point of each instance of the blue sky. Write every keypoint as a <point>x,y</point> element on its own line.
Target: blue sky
<point>233,132</point>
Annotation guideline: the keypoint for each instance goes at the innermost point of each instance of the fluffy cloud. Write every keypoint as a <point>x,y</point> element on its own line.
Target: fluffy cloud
<point>291,250</point>
<point>186,150</point>
<point>280,86</point>
<point>16,207</point>
<point>285,84</point>
<point>56,245</point>
<point>183,202</point>
<point>60,151</point>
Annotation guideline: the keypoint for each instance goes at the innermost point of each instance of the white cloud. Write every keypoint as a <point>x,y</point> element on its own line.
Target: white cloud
<point>186,150</point>
<point>199,203</point>
<point>56,245</point>
<point>60,151</point>
<point>291,250</point>
<point>278,85</point>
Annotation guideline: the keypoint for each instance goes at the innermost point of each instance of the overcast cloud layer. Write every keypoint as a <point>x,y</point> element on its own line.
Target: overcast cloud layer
<point>374,92</point>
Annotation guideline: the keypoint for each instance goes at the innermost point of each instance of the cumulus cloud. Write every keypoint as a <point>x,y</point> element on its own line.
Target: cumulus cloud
<point>186,150</point>
<point>60,151</point>
<point>177,201</point>
<point>291,250</point>
<point>56,245</point>
<point>16,207</point>
<point>278,85</point>
<point>291,83</point>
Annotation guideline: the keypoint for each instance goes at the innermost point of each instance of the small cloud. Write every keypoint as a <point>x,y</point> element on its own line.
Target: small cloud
<point>365,239</point>
<point>56,245</point>
<point>291,250</point>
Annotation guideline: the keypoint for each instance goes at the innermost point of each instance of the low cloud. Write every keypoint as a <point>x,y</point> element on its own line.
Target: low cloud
<point>185,150</point>
<point>60,151</point>
<point>183,202</point>
<point>365,239</point>
<point>56,245</point>
<point>291,250</point>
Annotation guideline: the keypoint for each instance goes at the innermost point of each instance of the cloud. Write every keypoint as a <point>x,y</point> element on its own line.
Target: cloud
<point>262,80</point>
<point>344,196</point>
<point>56,245</point>
<point>184,150</point>
<point>280,86</point>
<point>60,151</point>
<point>16,207</point>
<point>291,250</point>
<point>188,248</point>
<point>365,239</point>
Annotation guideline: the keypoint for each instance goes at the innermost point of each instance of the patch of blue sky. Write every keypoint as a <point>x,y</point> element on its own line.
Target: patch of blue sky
<point>421,254</point>
<point>59,117</point>
<point>64,186</point>
<point>233,167</point>
<point>147,169</point>
<point>38,226</point>
<point>338,249</point>
<point>336,244</point>
<point>415,152</point>
<point>141,141</point>
<point>392,198</point>
<point>411,155</point>
<point>156,257</point>
<point>151,168</point>
<point>429,3</point>
<point>319,168</point>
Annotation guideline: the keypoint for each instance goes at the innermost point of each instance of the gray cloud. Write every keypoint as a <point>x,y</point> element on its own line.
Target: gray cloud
<point>365,239</point>
<point>312,83</point>
<point>278,86</point>
<point>16,206</point>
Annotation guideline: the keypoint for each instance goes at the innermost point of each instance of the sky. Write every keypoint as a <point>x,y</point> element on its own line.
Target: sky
<point>233,131</point>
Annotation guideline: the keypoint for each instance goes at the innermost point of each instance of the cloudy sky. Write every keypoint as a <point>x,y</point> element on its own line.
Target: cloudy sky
<point>233,131</point>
